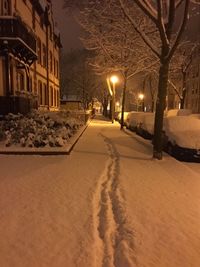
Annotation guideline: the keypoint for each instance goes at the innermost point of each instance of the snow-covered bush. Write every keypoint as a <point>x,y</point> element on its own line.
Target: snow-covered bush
<point>38,129</point>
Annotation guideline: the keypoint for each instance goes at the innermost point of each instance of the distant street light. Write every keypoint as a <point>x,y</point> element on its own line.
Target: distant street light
<point>141,96</point>
<point>114,79</point>
<point>141,101</point>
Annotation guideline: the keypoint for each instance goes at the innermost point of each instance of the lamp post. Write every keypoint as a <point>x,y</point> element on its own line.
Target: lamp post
<point>141,99</point>
<point>114,79</point>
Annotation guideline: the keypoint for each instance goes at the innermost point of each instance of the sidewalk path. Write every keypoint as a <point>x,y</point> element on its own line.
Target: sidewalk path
<point>107,204</point>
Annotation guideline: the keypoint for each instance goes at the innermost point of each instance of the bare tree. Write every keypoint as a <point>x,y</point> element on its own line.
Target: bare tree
<point>181,61</point>
<point>162,14</point>
<point>117,46</point>
<point>78,77</point>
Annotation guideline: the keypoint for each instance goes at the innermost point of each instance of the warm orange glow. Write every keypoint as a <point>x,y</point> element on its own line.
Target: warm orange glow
<point>141,96</point>
<point>114,79</point>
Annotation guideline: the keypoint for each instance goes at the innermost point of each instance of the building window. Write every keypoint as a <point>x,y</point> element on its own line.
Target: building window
<point>54,67</point>
<point>39,52</point>
<point>55,98</point>
<point>40,93</point>
<point>5,8</point>
<point>45,94</point>
<point>30,86</point>
<point>44,52</point>
<point>58,98</point>
<point>51,62</point>
<point>20,81</point>
<point>51,96</point>
<point>57,70</point>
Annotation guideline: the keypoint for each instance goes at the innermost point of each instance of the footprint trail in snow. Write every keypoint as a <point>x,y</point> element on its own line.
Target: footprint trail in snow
<point>114,238</point>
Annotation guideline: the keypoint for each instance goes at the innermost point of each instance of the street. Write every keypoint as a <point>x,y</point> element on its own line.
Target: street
<point>107,204</point>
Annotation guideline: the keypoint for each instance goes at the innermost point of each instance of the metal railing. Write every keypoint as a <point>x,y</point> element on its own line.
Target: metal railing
<point>14,28</point>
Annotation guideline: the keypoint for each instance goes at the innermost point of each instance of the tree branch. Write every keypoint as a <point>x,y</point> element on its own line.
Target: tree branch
<point>180,32</point>
<point>140,32</point>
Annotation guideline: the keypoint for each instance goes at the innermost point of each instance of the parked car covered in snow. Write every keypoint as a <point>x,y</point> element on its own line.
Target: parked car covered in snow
<point>146,126</point>
<point>133,120</point>
<point>178,112</point>
<point>142,123</point>
<point>182,137</point>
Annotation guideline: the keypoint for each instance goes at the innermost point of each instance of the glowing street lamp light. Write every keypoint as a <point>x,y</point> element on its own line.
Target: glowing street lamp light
<point>114,79</point>
<point>141,96</point>
<point>141,99</point>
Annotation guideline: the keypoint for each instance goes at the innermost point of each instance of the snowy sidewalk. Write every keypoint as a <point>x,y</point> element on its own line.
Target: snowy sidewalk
<point>107,204</point>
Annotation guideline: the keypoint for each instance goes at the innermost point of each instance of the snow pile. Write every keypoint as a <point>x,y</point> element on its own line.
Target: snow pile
<point>183,131</point>
<point>38,129</point>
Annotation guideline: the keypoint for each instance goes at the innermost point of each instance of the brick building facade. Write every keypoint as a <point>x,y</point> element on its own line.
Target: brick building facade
<point>29,56</point>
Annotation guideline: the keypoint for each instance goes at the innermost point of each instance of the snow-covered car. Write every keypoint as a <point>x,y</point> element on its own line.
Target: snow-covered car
<point>146,127</point>
<point>182,137</point>
<point>142,123</point>
<point>195,115</point>
<point>133,120</point>
<point>178,112</point>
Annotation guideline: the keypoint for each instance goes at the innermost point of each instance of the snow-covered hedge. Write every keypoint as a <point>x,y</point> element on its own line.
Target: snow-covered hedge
<point>38,129</point>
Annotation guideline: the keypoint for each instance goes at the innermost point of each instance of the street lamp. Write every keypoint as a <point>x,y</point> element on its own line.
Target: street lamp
<point>141,99</point>
<point>141,96</point>
<point>114,79</point>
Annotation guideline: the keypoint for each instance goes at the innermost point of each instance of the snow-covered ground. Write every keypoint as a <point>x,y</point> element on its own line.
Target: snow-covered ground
<point>107,204</point>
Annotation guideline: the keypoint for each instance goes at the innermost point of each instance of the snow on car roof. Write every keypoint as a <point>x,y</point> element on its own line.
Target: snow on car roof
<point>178,112</point>
<point>181,123</point>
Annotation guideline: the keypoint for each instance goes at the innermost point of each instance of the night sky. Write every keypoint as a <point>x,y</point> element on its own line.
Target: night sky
<point>69,29</point>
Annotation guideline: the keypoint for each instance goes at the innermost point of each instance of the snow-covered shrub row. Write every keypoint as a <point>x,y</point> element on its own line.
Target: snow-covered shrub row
<point>38,129</point>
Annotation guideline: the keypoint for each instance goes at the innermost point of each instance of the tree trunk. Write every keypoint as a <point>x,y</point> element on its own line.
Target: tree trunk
<point>123,101</point>
<point>183,91</point>
<point>160,107</point>
<point>105,104</point>
<point>152,105</point>
<point>113,107</point>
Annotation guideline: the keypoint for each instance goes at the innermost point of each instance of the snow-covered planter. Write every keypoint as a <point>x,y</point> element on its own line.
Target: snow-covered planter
<point>38,129</point>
